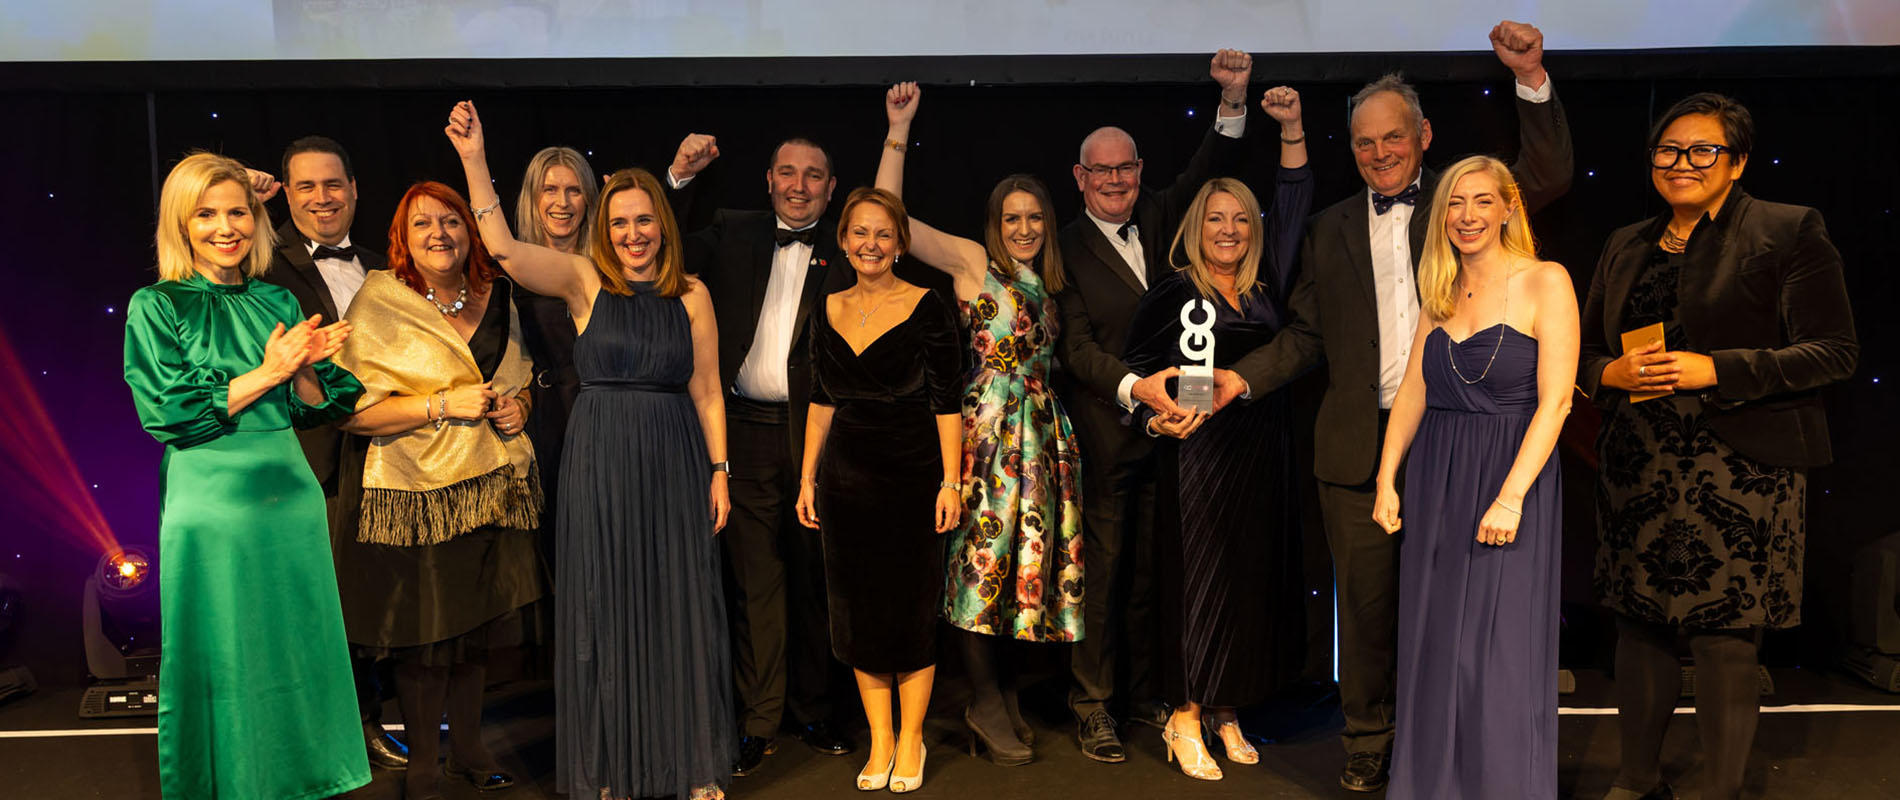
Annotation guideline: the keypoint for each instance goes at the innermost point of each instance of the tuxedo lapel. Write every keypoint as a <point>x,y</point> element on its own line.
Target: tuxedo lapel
<point>824,259</point>
<point>295,249</point>
<point>1358,245</point>
<point>1111,259</point>
<point>1421,221</point>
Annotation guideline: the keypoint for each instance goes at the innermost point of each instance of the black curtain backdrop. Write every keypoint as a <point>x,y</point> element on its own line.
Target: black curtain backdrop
<point>88,144</point>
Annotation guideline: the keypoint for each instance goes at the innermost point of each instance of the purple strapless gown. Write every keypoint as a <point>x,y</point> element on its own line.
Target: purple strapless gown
<point>1477,690</point>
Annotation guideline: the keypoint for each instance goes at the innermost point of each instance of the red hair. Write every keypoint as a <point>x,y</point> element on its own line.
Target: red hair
<point>480,270</point>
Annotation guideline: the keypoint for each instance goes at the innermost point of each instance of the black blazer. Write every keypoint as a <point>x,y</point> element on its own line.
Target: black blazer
<point>292,268</point>
<point>1763,295</point>
<point>733,257</point>
<point>1335,310</point>
<point>1101,294</point>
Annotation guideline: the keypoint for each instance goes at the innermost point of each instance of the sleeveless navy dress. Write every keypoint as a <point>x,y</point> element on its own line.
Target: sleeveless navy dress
<point>1477,690</point>
<point>643,691</point>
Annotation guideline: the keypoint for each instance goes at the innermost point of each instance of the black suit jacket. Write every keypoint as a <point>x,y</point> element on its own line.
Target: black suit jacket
<point>733,257</point>
<point>1764,296</point>
<point>292,268</point>
<point>1335,311</point>
<point>1101,294</point>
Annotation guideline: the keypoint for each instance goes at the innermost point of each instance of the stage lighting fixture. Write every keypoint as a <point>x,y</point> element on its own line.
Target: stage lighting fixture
<point>1874,620</point>
<point>120,629</point>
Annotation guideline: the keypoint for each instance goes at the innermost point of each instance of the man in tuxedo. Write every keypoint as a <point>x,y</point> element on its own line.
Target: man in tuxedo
<point>1112,253</point>
<point>768,272</point>
<point>316,261</point>
<point>1356,304</point>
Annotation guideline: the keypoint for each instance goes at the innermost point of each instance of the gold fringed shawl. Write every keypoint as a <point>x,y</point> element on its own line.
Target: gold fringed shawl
<point>426,486</point>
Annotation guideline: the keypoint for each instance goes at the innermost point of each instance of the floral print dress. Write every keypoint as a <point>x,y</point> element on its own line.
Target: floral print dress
<point>1014,564</point>
<point>1692,532</point>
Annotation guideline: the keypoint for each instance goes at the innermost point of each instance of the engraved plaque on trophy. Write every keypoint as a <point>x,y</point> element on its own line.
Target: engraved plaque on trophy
<point>1195,387</point>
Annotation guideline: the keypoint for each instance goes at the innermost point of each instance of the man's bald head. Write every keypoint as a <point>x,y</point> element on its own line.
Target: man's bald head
<point>1108,173</point>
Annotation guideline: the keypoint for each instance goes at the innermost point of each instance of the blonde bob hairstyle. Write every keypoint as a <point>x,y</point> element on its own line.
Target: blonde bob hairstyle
<point>527,204</point>
<point>1440,264</point>
<point>671,282</point>
<point>1187,239</point>
<point>184,187</point>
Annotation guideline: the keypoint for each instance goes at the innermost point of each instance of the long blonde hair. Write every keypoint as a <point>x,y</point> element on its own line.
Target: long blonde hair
<point>1187,239</point>
<point>527,216</point>
<point>184,187</point>
<point>1440,265</point>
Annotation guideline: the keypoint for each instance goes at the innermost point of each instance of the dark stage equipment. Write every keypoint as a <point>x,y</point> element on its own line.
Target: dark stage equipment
<point>120,606</point>
<point>14,681</point>
<point>1874,619</point>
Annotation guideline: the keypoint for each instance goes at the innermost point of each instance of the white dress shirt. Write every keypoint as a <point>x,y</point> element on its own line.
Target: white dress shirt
<point>342,276</point>
<point>1131,251</point>
<point>762,375</point>
<point>1394,281</point>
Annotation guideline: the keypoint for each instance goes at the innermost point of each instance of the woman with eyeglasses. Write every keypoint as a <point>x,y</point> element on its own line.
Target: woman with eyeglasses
<point>1738,314</point>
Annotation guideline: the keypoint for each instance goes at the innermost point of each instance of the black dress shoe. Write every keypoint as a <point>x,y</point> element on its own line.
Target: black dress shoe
<point>752,750</point>
<point>1366,772</point>
<point>1153,714</point>
<point>819,736</point>
<point>1096,733</point>
<point>386,752</point>
<point>484,780</point>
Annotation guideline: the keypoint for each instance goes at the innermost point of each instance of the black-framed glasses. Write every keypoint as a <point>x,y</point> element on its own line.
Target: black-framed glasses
<point>1102,172</point>
<point>1701,156</point>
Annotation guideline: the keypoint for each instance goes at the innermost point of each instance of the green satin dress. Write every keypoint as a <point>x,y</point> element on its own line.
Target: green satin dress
<point>255,694</point>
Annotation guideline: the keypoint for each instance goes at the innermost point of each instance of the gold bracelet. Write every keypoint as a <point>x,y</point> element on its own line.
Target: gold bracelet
<point>895,145</point>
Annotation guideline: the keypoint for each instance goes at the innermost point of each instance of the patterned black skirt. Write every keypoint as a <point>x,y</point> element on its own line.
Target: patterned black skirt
<point>1691,532</point>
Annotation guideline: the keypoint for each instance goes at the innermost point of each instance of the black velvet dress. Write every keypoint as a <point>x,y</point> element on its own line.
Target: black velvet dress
<point>878,479</point>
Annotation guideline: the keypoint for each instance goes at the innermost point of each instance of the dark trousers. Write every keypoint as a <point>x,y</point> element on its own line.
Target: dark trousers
<point>1366,577</point>
<point>1117,653</point>
<point>781,637</point>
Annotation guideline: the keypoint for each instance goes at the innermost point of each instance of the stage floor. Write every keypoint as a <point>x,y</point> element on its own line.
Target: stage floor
<point>1807,747</point>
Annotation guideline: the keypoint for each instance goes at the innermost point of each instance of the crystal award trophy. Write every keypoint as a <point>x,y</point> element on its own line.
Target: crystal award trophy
<point>1195,387</point>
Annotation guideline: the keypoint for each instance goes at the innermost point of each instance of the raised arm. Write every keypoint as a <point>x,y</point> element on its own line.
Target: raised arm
<point>963,259</point>
<point>542,270</point>
<point>1545,157</point>
<point>1221,151</point>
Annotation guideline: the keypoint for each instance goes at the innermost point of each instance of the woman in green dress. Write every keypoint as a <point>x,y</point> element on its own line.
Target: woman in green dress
<point>221,366</point>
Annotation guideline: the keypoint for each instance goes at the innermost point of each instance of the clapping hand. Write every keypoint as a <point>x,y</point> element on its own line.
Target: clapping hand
<point>287,349</point>
<point>696,152</point>
<point>465,130</point>
<point>900,103</point>
<point>263,184</point>
<point>1520,46</point>
<point>1232,69</point>
<point>327,340</point>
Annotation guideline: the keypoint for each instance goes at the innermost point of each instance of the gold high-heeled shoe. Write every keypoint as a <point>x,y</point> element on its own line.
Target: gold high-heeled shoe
<point>1244,754</point>
<point>1195,762</point>
<point>869,781</point>
<point>904,784</point>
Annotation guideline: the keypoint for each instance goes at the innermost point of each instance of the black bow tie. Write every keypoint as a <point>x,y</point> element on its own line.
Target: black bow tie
<point>345,252</point>
<point>1124,229</point>
<point>784,236</point>
<point>1382,203</point>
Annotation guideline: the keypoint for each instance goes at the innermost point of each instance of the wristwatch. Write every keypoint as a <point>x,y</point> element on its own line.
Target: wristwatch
<point>723,466</point>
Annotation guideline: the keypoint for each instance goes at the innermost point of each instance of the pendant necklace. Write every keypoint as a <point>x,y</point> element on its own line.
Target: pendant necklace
<point>864,317</point>
<point>1502,324</point>
<point>461,299</point>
